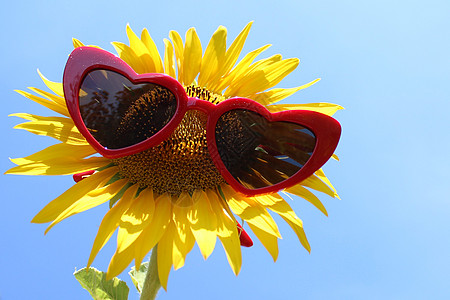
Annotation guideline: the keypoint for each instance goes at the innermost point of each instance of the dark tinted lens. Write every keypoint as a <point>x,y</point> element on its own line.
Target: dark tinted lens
<point>259,153</point>
<point>119,113</point>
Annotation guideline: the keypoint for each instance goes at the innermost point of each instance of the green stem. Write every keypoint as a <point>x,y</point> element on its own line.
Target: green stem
<point>151,282</point>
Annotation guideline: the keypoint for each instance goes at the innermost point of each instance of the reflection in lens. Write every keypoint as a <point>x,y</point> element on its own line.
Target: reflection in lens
<point>119,113</point>
<point>259,153</point>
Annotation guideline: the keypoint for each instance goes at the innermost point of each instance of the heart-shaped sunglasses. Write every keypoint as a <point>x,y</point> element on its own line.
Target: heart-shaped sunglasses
<point>121,113</point>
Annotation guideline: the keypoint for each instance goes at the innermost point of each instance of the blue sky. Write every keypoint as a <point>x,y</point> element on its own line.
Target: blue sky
<point>386,62</point>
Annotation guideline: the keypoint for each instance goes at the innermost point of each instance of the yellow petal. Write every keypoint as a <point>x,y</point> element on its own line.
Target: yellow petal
<point>308,196</point>
<point>233,52</point>
<point>177,253</point>
<point>125,247</point>
<point>325,108</point>
<point>56,166</point>
<point>319,173</point>
<point>141,51</point>
<point>257,68</point>
<point>169,63</point>
<point>59,159</point>
<point>92,199</point>
<point>270,76</point>
<point>56,107</point>
<point>153,50</point>
<point>155,230</point>
<point>179,51</point>
<point>220,214</point>
<point>278,205</point>
<point>335,157</point>
<point>183,239</point>
<point>55,98</point>
<point>59,151</point>
<point>119,262</point>
<point>135,219</point>
<point>316,184</point>
<point>76,192</point>
<point>192,56</point>
<point>55,87</point>
<point>299,232</point>
<point>269,241</point>
<point>228,235</point>
<point>165,251</point>
<point>214,57</point>
<point>178,257</point>
<point>231,56</point>
<point>225,192</point>
<point>130,57</point>
<point>77,43</point>
<point>278,94</point>
<point>240,68</point>
<point>137,244</point>
<point>109,224</point>
<point>59,128</point>
<point>253,213</point>
<point>203,224</point>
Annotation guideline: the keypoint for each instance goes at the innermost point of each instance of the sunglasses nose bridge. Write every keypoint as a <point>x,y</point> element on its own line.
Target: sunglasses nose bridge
<point>198,104</point>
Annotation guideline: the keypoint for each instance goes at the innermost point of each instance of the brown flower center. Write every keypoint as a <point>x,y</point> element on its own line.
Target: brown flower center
<point>179,164</point>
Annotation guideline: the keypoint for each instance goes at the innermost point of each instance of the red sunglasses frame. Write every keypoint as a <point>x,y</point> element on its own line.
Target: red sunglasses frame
<point>85,59</point>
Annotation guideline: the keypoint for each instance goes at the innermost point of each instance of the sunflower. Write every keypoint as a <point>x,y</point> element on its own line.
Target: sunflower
<point>171,195</point>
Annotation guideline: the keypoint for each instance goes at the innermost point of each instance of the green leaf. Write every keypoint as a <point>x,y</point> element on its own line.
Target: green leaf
<point>94,281</point>
<point>138,277</point>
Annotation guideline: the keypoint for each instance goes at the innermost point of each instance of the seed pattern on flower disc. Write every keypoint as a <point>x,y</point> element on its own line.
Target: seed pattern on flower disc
<point>182,162</point>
